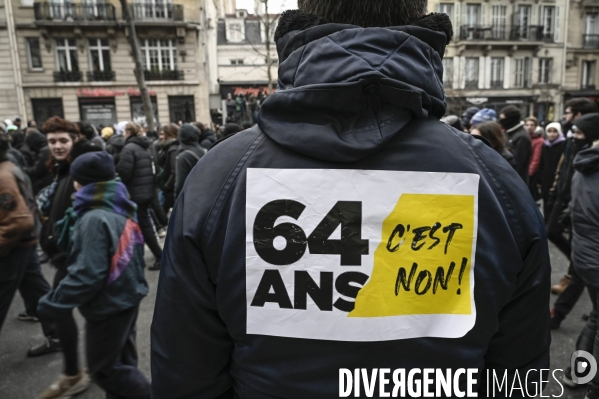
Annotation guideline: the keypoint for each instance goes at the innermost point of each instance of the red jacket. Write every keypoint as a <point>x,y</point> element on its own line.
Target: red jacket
<point>535,159</point>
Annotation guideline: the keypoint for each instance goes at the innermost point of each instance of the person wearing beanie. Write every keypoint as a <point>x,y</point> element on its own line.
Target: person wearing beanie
<point>467,117</point>
<point>484,115</point>
<point>585,228</point>
<point>553,148</point>
<point>519,142</point>
<point>189,153</point>
<point>136,170</point>
<point>107,133</point>
<point>105,279</point>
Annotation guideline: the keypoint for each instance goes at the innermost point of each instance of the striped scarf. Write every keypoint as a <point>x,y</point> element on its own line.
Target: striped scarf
<point>111,196</point>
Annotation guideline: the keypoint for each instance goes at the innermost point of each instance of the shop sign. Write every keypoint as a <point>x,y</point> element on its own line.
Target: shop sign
<point>477,100</point>
<point>101,92</point>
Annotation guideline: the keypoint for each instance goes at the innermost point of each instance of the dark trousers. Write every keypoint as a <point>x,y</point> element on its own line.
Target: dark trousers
<point>112,356</point>
<point>12,270</point>
<point>147,229</point>
<point>169,201</point>
<point>567,299</point>
<point>66,329</point>
<point>588,340</point>
<point>555,230</point>
<point>158,212</point>
<point>34,286</point>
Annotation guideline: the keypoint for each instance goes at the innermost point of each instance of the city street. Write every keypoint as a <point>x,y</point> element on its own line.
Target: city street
<point>24,378</point>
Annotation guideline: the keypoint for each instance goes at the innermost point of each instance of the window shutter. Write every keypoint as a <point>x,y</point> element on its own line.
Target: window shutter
<point>558,13</point>
<point>506,72</point>
<point>483,14</point>
<point>456,20</point>
<point>481,72</point>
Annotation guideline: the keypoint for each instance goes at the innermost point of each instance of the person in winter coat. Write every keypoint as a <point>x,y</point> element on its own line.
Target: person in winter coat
<point>188,155</point>
<point>492,132</point>
<point>482,116</point>
<point>65,146</point>
<point>284,260</point>
<point>520,143</point>
<point>467,117</point>
<point>38,172</point>
<point>167,157</point>
<point>536,136</point>
<point>585,232</point>
<point>231,107</point>
<point>136,170</point>
<point>90,133</point>
<point>105,280</point>
<point>207,136</point>
<point>552,150</point>
<point>115,145</point>
<point>453,121</point>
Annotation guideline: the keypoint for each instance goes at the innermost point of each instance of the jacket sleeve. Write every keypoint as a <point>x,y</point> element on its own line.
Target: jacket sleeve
<point>183,169</point>
<point>189,337</point>
<point>89,264</point>
<point>522,341</point>
<point>15,218</point>
<point>535,159</point>
<point>126,164</point>
<point>172,164</point>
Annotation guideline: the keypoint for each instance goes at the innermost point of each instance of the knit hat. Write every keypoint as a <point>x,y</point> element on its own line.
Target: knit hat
<point>189,134</point>
<point>466,116</point>
<point>554,125</point>
<point>589,125</point>
<point>484,115</point>
<point>93,167</point>
<point>107,132</point>
<point>512,117</point>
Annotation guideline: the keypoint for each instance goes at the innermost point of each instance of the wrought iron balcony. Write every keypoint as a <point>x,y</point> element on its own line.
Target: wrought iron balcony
<point>100,76</point>
<point>157,12</point>
<point>496,84</point>
<point>67,76</point>
<point>590,41</point>
<point>164,75</point>
<point>472,84</point>
<point>504,33</point>
<point>73,12</point>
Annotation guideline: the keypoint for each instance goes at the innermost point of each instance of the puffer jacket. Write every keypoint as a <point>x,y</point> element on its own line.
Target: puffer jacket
<point>114,146</point>
<point>188,154</point>
<point>585,216</point>
<point>284,230</point>
<point>136,170</point>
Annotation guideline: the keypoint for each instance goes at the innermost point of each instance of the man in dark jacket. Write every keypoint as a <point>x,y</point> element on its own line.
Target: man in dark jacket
<point>519,142</point>
<point>105,280</point>
<point>585,232</point>
<point>115,145</point>
<point>308,244</point>
<point>189,153</point>
<point>136,170</point>
<point>207,137</point>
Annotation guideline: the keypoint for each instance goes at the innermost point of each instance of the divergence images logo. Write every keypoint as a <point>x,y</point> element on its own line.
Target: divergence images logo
<point>583,366</point>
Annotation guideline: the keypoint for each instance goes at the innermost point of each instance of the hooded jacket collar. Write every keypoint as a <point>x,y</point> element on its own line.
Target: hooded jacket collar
<point>587,161</point>
<point>352,89</point>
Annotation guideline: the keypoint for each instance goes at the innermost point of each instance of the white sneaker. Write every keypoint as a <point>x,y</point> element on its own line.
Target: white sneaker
<point>66,386</point>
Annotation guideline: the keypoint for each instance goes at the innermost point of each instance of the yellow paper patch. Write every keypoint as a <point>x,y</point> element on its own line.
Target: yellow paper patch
<point>422,265</point>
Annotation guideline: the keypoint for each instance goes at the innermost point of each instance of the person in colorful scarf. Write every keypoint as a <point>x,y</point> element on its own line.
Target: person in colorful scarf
<point>105,279</point>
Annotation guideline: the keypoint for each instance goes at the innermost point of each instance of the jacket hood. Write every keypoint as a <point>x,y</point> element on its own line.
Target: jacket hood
<point>587,161</point>
<point>352,89</point>
<point>189,134</point>
<point>139,140</point>
<point>116,141</point>
<point>36,140</point>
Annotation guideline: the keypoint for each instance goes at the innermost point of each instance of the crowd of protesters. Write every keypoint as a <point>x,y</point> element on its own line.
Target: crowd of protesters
<point>82,199</point>
<point>560,164</point>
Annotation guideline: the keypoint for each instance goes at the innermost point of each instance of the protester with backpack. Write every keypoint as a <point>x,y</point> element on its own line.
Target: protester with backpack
<point>189,154</point>
<point>136,170</point>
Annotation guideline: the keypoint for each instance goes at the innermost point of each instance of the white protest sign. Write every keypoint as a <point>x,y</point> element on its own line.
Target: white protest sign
<point>360,255</point>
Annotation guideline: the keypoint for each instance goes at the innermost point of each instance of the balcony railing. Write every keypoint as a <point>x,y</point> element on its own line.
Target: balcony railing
<point>588,87</point>
<point>472,84</point>
<point>164,75</point>
<point>74,12</point>
<point>67,76</point>
<point>496,84</point>
<point>503,33</point>
<point>590,41</point>
<point>157,11</point>
<point>100,76</point>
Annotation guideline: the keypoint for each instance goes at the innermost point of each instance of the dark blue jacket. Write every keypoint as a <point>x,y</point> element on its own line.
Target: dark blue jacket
<point>350,99</point>
<point>105,273</point>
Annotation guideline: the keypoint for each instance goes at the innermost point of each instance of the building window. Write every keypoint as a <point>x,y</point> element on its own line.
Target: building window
<point>472,14</point>
<point>34,53</point>
<point>237,61</point>
<point>138,114</point>
<point>159,55</point>
<point>591,31</point>
<point>446,8</point>
<point>45,108</point>
<point>66,54</point>
<point>100,111</point>
<point>99,55</point>
<point>181,108</point>
<point>498,22</point>
<point>447,71</point>
<point>471,73</point>
<point>522,73</point>
<point>588,74</point>
<point>545,70</point>
<point>522,21</point>
<point>496,72</point>
<point>548,21</point>
<point>235,32</point>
